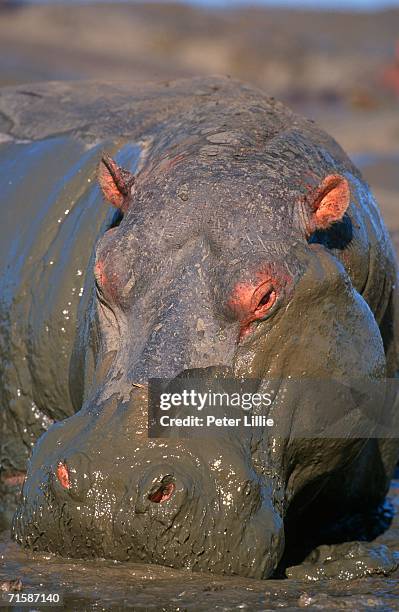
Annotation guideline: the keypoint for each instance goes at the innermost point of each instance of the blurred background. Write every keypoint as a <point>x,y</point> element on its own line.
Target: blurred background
<point>336,61</point>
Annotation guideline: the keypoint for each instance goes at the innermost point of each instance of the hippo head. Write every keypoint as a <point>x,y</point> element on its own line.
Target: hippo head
<point>206,268</point>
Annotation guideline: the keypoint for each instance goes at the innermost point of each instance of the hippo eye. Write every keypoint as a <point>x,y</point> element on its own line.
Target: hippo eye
<point>265,303</point>
<point>250,304</point>
<point>163,491</point>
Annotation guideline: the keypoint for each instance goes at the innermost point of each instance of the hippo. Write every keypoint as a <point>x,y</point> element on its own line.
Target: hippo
<point>184,230</point>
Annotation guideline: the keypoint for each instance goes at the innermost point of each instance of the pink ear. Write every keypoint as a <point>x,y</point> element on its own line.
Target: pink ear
<point>330,202</point>
<point>116,183</point>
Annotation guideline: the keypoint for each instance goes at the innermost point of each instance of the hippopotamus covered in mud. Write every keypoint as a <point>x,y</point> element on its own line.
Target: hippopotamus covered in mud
<point>240,238</point>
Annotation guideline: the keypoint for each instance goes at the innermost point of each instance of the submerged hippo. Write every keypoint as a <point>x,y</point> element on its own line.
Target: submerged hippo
<point>243,240</point>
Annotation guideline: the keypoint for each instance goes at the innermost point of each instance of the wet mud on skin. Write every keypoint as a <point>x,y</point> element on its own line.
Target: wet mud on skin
<point>105,585</point>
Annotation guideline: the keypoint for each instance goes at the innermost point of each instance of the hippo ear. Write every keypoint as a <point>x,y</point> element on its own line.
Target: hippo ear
<point>116,183</point>
<point>330,202</point>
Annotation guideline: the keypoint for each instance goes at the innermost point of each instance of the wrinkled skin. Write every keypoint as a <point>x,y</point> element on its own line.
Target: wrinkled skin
<point>245,241</point>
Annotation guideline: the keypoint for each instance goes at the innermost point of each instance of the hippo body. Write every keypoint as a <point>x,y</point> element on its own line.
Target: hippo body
<point>242,239</point>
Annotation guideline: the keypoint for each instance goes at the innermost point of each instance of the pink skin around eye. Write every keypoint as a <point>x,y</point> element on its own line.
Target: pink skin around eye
<point>107,281</point>
<point>251,302</point>
<point>100,273</point>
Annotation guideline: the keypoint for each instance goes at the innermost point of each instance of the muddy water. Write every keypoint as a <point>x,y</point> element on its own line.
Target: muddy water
<point>104,585</point>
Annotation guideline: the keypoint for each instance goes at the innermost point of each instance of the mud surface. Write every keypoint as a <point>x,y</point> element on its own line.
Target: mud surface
<point>104,585</point>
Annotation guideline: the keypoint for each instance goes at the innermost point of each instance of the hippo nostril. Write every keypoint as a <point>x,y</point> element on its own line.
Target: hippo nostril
<point>63,475</point>
<point>163,491</point>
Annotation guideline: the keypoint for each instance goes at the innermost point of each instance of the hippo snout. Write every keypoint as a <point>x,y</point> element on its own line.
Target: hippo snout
<point>174,502</point>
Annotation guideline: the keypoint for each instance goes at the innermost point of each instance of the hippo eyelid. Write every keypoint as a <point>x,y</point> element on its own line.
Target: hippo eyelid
<point>252,327</point>
<point>276,298</point>
<point>267,301</point>
<point>268,314</point>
